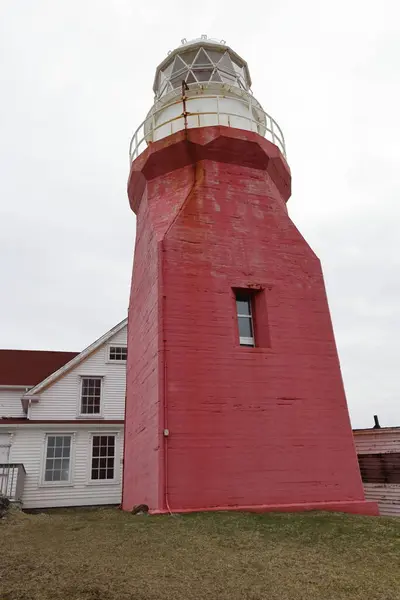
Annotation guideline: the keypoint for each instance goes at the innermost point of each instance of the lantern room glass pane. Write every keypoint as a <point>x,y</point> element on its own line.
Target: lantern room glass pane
<point>226,64</point>
<point>214,55</point>
<point>166,89</point>
<point>202,59</point>
<point>168,70</point>
<point>226,78</point>
<point>216,77</point>
<point>179,65</point>
<point>177,81</point>
<point>188,56</point>
<point>190,78</point>
<point>237,66</point>
<point>203,74</point>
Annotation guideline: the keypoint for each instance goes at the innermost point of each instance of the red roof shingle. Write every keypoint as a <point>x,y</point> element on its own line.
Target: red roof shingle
<point>30,367</point>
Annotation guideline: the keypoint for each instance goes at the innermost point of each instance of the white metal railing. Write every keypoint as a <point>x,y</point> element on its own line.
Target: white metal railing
<point>256,119</point>
<point>12,479</point>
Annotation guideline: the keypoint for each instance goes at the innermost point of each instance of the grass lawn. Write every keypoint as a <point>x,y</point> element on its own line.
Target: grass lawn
<point>106,554</point>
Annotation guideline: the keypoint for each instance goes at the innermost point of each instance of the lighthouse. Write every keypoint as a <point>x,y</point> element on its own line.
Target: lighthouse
<point>235,399</point>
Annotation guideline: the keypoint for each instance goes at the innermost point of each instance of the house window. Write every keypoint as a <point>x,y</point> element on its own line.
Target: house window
<point>117,353</point>
<point>58,458</point>
<point>103,457</point>
<point>91,395</point>
<point>245,317</point>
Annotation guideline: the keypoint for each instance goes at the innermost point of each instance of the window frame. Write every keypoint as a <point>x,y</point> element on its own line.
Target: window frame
<point>66,483</point>
<point>94,415</point>
<point>117,458</point>
<point>248,294</point>
<point>113,361</point>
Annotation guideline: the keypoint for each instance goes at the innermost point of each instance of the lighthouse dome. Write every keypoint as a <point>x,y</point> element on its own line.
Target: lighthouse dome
<point>201,61</point>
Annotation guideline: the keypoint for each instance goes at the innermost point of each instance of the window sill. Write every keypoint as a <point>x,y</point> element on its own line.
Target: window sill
<point>116,362</point>
<point>254,349</point>
<point>103,482</point>
<point>55,484</point>
<point>92,416</point>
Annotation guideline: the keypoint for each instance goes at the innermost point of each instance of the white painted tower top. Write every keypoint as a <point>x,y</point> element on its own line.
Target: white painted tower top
<point>203,83</point>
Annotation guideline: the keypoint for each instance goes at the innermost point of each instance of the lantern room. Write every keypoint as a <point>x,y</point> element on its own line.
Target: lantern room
<point>201,61</point>
<point>203,83</point>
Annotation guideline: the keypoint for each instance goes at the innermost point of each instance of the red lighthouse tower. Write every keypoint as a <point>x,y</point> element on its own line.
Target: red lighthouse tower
<point>235,398</point>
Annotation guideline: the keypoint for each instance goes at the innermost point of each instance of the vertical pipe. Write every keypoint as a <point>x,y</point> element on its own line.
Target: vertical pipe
<point>185,114</point>
<point>376,421</point>
<point>163,479</point>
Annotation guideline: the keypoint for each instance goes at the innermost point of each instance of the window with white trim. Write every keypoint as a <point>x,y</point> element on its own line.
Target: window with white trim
<point>91,395</point>
<point>58,458</point>
<point>103,457</point>
<point>117,353</point>
<point>244,305</point>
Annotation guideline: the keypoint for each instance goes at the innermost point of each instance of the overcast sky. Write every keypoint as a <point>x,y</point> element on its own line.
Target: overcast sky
<point>76,80</point>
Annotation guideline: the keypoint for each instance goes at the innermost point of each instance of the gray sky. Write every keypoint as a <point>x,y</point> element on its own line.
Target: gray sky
<point>76,80</point>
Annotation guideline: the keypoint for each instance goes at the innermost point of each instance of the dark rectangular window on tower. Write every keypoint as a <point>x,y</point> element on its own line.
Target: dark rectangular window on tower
<point>244,310</point>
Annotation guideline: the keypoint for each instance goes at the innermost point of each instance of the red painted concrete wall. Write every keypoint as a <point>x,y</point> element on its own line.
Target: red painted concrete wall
<point>142,414</point>
<point>264,427</point>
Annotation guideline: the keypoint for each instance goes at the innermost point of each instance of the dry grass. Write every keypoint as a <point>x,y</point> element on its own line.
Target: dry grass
<point>105,554</point>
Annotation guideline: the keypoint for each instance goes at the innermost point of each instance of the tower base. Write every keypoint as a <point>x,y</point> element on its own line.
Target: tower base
<point>364,508</point>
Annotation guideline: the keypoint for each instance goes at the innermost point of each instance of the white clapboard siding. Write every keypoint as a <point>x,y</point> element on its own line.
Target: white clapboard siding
<point>379,441</point>
<point>61,399</point>
<point>10,402</point>
<point>387,495</point>
<point>28,448</point>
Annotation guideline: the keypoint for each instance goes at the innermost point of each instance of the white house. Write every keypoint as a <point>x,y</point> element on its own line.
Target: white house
<point>378,451</point>
<point>61,424</point>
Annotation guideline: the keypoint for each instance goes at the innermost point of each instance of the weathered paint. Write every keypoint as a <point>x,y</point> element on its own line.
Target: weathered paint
<point>263,428</point>
<point>380,441</point>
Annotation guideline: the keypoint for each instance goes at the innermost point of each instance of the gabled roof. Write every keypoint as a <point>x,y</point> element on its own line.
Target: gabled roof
<point>63,370</point>
<point>27,368</point>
